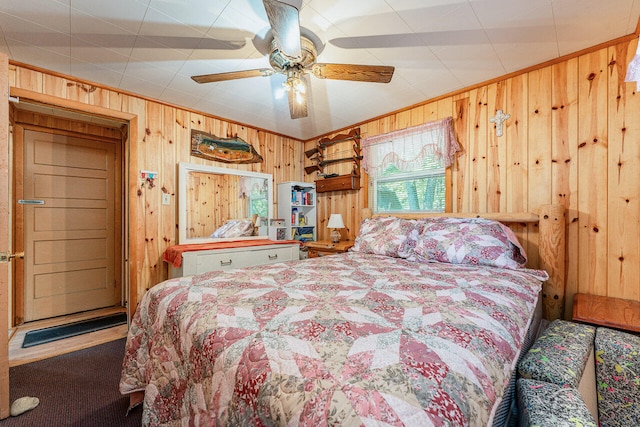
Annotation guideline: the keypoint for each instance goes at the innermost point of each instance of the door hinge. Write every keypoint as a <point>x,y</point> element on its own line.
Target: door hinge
<point>6,256</point>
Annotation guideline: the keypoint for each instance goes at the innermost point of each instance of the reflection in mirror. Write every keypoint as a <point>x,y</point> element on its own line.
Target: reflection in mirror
<point>220,204</point>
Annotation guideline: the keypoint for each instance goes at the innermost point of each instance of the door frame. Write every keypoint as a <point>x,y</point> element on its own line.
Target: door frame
<point>5,235</point>
<point>130,263</point>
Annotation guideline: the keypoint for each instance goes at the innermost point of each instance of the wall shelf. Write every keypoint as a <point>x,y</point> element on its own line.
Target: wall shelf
<point>341,182</point>
<point>338,183</point>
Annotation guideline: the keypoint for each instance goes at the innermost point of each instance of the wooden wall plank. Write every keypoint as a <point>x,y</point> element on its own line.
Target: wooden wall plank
<point>100,97</point>
<point>403,119</point>
<point>168,180</point>
<point>516,132</point>
<point>497,150</point>
<point>30,80</point>
<point>430,112</point>
<point>139,262</point>
<point>477,181</point>
<point>539,146</point>
<point>592,173</point>
<point>462,162</point>
<point>418,115</point>
<point>564,171</point>
<point>623,191</point>
<point>149,158</point>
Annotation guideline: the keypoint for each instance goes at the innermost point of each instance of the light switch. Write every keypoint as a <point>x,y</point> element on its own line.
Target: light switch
<point>166,199</point>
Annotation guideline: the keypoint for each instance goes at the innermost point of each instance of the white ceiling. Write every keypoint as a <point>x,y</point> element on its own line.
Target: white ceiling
<point>152,47</point>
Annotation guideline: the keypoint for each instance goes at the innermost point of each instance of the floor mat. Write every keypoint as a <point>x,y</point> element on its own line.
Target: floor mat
<point>54,333</point>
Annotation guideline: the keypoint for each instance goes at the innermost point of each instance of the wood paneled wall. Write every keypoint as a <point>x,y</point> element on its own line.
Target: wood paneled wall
<point>160,138</point>
<point>573,138</point>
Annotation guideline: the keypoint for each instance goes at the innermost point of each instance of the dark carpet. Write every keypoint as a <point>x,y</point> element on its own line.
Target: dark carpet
<point>55,333</point>
<point>76,389</point>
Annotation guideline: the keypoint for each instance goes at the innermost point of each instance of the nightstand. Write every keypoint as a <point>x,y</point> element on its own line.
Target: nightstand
<point>325,247</point>
<point>605,311</point>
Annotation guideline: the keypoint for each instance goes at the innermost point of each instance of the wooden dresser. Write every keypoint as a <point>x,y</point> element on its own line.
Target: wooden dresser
<point>205,260</point>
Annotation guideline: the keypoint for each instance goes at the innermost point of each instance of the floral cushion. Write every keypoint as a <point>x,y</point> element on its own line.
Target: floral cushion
<point>545,404</point>
<point>385,236</point>
<point>560,354</point>
<point>474,241</point>
<point>618,377</point>
<point>235,228</point>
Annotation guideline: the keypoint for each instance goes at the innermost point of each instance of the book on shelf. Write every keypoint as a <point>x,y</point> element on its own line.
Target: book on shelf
<point>304,234</point>
<point>301,197</point>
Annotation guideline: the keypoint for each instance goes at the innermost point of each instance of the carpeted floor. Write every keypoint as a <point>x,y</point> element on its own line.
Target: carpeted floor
<point>76,389</point>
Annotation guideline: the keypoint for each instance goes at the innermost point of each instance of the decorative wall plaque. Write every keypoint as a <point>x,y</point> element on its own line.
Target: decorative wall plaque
<point>228,150</point>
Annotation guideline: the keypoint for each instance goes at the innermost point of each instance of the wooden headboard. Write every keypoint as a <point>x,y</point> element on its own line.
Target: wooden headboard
<point>542,235</point>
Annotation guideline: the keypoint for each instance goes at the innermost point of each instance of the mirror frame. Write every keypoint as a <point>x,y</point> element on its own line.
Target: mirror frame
<point>183,170</point>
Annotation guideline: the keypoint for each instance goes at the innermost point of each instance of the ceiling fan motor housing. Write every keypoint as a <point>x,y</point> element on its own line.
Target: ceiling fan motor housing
<point>281,62</point>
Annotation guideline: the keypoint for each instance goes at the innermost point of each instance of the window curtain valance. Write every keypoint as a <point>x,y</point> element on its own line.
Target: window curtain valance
<point>407,148</point>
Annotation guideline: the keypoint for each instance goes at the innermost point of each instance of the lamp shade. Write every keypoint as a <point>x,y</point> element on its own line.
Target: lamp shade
<point>335,221</point>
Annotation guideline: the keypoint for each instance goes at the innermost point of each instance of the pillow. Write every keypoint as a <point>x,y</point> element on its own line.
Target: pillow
<point>235,228</point>
<point>473,241</point>
<point>385,236</point>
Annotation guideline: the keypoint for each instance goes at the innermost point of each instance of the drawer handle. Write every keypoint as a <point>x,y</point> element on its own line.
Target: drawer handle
<point>226,262</point>
<point>273,256</point>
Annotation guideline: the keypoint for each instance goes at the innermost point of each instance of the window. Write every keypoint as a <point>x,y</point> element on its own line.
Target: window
<point>258,204</point>
<point>254,191</point>
<point>407,168</point>
<point>422,190</point>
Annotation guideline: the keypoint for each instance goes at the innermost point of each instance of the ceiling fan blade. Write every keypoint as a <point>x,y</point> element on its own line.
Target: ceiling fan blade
<point>233,75</point>
<point>296,108</point>
<point>298,102</point>
<point>285,26</point>
<point>359,73</point>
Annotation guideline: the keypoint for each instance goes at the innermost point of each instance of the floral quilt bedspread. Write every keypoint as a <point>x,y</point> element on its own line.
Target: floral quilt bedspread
<point>349,339</point>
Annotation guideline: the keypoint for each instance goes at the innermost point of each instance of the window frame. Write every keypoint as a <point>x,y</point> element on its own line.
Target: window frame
<point>448,187</point>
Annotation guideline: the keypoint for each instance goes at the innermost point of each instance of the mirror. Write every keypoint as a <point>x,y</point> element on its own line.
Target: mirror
<point>209,197</point>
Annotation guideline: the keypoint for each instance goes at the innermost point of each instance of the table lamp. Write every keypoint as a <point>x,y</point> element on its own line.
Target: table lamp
<point>335,222</point>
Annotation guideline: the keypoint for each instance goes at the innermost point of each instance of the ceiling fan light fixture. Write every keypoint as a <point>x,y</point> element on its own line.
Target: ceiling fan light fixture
<point>298,86</point>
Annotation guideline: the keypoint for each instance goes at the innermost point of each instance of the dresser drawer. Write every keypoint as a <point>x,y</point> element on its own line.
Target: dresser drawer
<point>216,261</point>
<point>198,262</point>
<point>271,255</point>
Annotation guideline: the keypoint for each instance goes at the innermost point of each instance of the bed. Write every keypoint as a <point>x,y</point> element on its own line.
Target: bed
<point>408,328</point>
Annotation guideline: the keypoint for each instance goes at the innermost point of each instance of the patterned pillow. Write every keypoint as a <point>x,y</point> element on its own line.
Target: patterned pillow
<point>618,377</point>
<point>234,228</point>
<point>474,241</point>
<point>546,404</point>
<point>385,236</point>
<point>560,354</point>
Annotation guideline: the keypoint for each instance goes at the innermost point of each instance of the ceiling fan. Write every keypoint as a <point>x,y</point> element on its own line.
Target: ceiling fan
<point>294,55</point>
